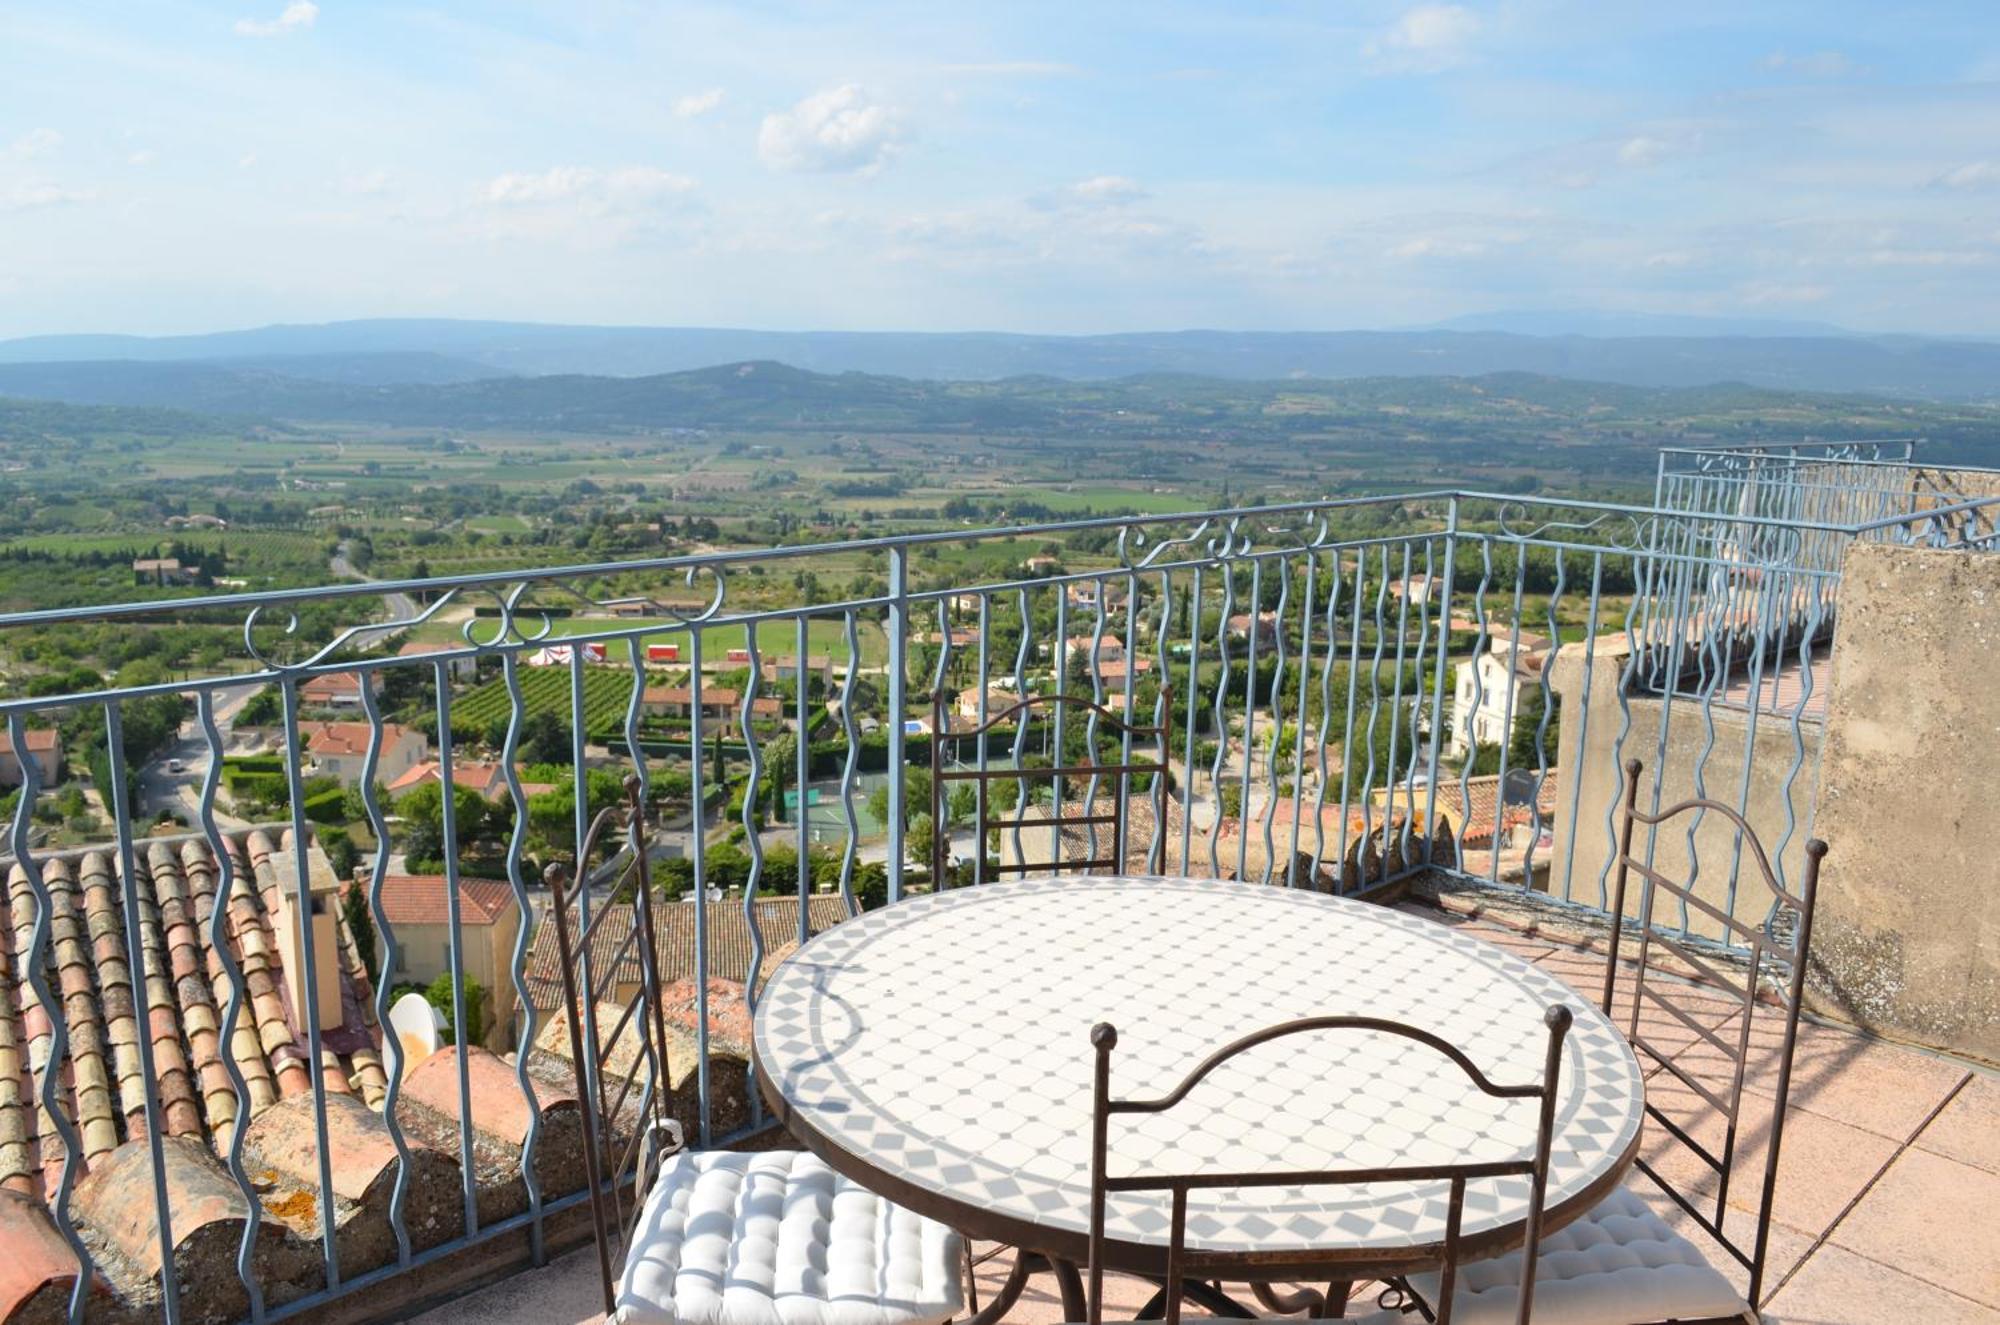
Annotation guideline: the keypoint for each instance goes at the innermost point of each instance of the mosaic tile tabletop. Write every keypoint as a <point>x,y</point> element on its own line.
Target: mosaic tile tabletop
<point>945,1041</point>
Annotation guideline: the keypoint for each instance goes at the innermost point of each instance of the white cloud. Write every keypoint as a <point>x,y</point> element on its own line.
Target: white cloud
<point>1432,246</point>
<point>840,129</point>
<point>1813,64</point>
<point>594,191</point>
<point>297,14</point>
<point>145,156</point>
<point>1972,175</point>
<point>697,104</point>
<point>1643,150</point>
<point>246,161</point>
<point>372,184</point>
<point>33,143</point>
<point>1113,189</point>
<point>1426,40</point>
<point>35,197</point>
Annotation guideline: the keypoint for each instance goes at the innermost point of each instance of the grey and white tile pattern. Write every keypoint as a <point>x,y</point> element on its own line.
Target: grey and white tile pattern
<point>945,1041</point>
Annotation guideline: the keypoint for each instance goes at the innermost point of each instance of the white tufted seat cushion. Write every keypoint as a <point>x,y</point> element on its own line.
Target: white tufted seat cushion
<point>778,1238</point>
<point>1618,1265</point>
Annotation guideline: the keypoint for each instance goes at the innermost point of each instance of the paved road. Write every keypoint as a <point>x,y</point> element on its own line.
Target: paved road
<point>163,788</point>
<point>401,605</point>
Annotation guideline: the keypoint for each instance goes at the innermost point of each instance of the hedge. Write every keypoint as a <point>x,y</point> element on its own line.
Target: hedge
<point>324,807</point>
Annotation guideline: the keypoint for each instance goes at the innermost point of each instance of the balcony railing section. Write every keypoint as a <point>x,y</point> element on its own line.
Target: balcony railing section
<point>1344,694</point>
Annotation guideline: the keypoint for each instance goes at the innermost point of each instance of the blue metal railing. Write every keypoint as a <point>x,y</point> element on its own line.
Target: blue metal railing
<point>1300,663</point>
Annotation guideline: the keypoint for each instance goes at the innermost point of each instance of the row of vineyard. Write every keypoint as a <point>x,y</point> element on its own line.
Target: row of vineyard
<point>606,692</point>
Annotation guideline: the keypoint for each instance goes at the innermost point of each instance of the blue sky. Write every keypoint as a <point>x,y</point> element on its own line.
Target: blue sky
<point>1072,167</point>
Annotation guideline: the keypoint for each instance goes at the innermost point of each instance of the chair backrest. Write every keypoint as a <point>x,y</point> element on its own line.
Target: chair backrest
<point>1790,915</point>
<point>613,1141</point>
<point>1067,714</point>
<point>1181,1265</point>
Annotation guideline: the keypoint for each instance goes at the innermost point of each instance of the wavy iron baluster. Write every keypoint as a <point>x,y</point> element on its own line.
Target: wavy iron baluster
<point>848,768</point>
<point>34,970</point>
<point>135,955</point>
<point>391,1043</point>
<point>754,840</point>
<point>510,753</point>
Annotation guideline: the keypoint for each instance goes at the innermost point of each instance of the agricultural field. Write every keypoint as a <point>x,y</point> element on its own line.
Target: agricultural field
<point>606,693</point>
<point>823,635</point>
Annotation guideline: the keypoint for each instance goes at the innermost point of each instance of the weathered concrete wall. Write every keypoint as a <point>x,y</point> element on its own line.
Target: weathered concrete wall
<point>1709,739</point>
<point>1908,938</point>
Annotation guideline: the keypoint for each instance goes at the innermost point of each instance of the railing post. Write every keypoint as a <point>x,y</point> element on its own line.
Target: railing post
<point>899,658</point>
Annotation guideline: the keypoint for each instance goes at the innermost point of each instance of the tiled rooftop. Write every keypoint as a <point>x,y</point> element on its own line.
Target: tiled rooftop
<point>419,899</point>
<point>729,947</point>
<point>1890,1177</point>
<point>175,1006</point>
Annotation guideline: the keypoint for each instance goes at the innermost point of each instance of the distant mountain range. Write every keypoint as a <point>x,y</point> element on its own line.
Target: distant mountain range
<point>209,370</point>
<point>766,395</point>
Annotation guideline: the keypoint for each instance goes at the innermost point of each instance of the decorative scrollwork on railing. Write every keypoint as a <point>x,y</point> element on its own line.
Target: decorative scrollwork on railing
<point>270,651</point>
<point>517,610</point>
<point>1133,542</point>
<point>1239,537</point>
<point>1232,542</point>
<point>1315,525</point>
<point>1625,531</point>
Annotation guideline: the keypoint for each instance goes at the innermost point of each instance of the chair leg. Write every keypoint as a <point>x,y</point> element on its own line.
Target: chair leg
<point>971,1279</point>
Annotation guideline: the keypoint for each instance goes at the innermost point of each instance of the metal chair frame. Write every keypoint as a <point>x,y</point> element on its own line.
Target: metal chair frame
<point>590,1053</point>
<point>1181,1264</point>
<point>1127,732</point>
<point>1761,946</point>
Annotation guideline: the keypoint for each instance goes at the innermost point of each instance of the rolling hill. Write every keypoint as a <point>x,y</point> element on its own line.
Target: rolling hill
<point>437,350</point>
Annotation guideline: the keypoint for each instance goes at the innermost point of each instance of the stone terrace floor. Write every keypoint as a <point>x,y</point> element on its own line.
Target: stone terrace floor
<point>1888,1205</point>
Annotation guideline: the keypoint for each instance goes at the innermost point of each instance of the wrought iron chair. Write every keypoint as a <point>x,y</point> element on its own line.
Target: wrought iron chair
<point>1183,1265</point>
<point>1100,724</point>
<point>1589,1270</point>
<point>716,1237</point>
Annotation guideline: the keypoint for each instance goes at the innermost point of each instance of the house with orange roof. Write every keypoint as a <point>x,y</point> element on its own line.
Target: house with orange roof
<point>340,749</point>
<point>418,908</point>
<point>335,690</point>
<point>43,745</point>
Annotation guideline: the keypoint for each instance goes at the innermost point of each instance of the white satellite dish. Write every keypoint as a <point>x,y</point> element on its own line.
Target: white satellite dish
<point>418,1028</point>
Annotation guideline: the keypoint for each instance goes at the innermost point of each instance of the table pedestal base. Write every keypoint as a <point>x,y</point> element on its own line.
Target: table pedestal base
<point>1329,1305</point>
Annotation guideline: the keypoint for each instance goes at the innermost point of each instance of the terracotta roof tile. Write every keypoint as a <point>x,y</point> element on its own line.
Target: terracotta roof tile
<point>419,899</point>
<point>36,738</point>
<point>347,738</point>
<point>173,1004</point>
<point>673,922</point>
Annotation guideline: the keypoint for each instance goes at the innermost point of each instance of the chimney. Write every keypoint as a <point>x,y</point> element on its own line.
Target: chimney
<point>323,887</point>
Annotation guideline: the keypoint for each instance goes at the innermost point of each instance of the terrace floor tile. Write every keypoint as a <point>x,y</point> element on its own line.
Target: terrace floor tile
<point>1933,1218</point>
<point>1968,1130</point>
<point>1839,1287</point>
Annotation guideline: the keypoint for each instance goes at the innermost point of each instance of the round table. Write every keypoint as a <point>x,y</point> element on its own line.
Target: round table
<point>937,1051</point>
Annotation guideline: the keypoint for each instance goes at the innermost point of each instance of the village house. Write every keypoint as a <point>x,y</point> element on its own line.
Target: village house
<point>335,690</point>
<point>463,668</point>
<point>1487,689</point>
<point>163,571</point>
<point>487,779</point>
<point>721,706</point>
<point>997,702</point>
<point>418,911</point>
<point>340,750</point>
<point>43,746</point>
<point>785,667</point>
